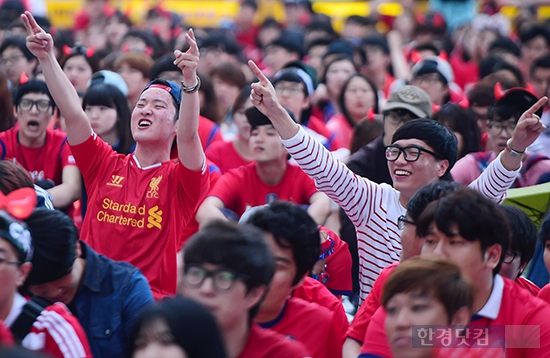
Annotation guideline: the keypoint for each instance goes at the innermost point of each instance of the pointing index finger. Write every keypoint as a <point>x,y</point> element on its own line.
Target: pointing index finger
<point>263,79</point>
<point>193,48</point>
<point>531,111</point>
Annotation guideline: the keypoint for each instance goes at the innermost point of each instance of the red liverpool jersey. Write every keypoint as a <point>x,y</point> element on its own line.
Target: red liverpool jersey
<point>137,214</point>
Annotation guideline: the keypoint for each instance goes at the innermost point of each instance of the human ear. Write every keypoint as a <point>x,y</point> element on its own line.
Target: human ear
<point>255,295</point>
<point>461,317</point>
<point>24,271</point>
<point>443,166</point>
<point>492,256</point>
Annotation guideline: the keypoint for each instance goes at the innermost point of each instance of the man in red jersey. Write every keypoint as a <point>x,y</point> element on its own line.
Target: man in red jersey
<point>473,232</point>
<point>293,238</point>
<point>270,177</point>
<point>43,152</point>
<point>139,203</point>
<point>228,269</point>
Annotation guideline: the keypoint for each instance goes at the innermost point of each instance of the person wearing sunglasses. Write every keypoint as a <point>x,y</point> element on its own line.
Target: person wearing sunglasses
<point>228,269</point>
<point>43,152</point>
<point>374,208</point>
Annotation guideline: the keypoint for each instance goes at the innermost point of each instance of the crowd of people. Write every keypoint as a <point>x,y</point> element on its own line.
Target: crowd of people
<point>267,189</point>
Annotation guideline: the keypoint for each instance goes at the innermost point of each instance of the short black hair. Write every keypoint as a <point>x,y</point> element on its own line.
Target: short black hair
<point>541,62</point>
<point>20,43</point>
<point>427,194</point>
<point>523,239</point>
<point>33,85</point>
<point>529,33</point>
<point>291,227</point>
<point>54,240</point>
<point>238,248</point>
<point>504,44</point>
<point>476,217</point>
<point>164,64</point>
<point>434,134</point>
<point>192,325</point>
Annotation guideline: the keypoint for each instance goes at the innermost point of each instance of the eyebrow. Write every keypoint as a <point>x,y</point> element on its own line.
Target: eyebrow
<point>283,259</point>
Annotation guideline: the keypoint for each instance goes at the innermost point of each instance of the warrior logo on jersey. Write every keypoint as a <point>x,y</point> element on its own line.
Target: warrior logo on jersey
<point>155,217</point>
<point>154,188</point>
<point>116,180</point>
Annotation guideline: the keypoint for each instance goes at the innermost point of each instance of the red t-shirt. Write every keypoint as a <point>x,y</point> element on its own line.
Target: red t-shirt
<point>318,126</point>
<point>528,285</point>
<point>312,290</point>
<point>518,307</point>
<point>338,266</point>
<point>338,125</point>
<point>209,132</point>
<point>358,328</point>
<point>137,214</point>
<point>376,340</point>
<point>46,162</point>
<point>193,225</point>
<point>265,343</point>
<point>242,187</point>
<point>544,293</point>
<point>225,156</point>
<point>311,324</point>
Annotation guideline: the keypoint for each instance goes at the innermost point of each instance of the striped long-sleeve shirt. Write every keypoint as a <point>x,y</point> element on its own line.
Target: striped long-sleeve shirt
<point>374,208</point>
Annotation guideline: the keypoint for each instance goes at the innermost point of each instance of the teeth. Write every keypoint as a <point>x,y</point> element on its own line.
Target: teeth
<point>144,123</point>
<point>402,172</point>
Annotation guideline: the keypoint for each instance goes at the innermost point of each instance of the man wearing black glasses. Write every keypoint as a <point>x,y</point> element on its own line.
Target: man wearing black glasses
<point>374,208</point>
<point>403,105</point>
<point>228,269</point>
<point>43,152</point>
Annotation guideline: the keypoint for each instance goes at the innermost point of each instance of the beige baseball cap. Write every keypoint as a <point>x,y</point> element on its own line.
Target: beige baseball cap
<point>411,98</point>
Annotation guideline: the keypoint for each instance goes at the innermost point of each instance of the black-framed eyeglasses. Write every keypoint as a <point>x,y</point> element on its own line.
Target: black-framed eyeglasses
<point>402,220</point>
<point>411,153</point>
<point>498,127</point>
<point>510,257</point>
<point>398,116</point>
<point>8,262</point>
<point>42,105</point>
<point>223,279</point>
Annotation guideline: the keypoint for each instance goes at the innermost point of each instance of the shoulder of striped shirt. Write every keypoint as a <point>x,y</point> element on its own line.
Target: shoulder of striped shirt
<point>55,321</point>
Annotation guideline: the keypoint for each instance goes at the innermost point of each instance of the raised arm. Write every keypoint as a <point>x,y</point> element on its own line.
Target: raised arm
<point>528,129</point>
<point>40,43</point>
<point>497,178</point>
<point>190,151</point>
<point>263,96</point>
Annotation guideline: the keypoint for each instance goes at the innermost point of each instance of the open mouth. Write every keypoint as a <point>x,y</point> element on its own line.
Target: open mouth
<point>144,123</point>
<point>33,125</point>
<point>402,173</point>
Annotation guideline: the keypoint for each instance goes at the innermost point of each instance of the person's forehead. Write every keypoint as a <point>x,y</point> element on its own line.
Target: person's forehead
<point>12,50</point>
<point>35,95</point>
<point>290,83</point>
<point>280,253</point>
<point>542,72</point>
<point>412,141</point>
<point>6,248</point>
<point>156,94</point>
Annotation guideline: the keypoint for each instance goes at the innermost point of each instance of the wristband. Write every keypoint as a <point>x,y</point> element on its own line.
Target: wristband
<point>191,89</point>
<point>327,248</point>
<point>514,153</point>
